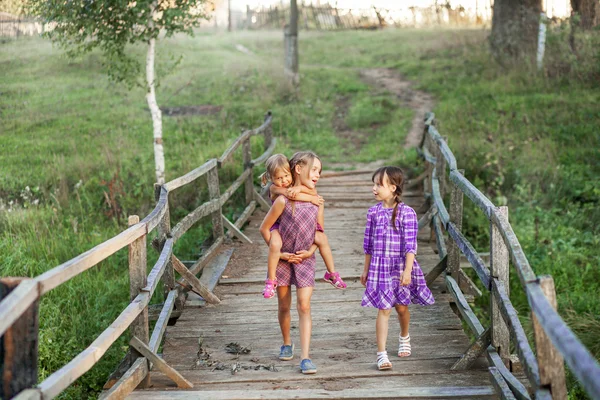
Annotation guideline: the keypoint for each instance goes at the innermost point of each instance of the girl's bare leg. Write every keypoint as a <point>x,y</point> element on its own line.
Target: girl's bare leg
<point>404,318</point>
<point>323,243</point>
<point>284,300</point>
<point>303,298</point>
<point>381,328</point>
<point>274,254</point>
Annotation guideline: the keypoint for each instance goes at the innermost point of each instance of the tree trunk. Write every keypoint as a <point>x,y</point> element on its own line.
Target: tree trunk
<point>515,26</point>
<point>159,155</point>
<point>291,45</point>
<point>588,11</point>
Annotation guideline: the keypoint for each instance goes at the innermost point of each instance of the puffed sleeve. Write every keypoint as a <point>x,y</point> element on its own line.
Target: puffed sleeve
<point>411,229</point>
<point>369,232</point>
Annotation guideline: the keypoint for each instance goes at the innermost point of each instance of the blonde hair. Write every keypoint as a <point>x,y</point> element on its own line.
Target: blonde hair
<point>394,176</point>
<point>302,158</point>
<point>274,163</point>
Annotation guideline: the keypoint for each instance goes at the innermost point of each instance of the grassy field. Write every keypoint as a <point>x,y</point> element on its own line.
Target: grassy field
<point>68,135</point>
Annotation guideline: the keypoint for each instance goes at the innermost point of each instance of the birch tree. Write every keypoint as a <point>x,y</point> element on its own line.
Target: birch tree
<point>112,26</point>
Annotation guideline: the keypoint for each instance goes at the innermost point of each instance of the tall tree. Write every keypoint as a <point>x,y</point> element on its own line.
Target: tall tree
<point>112,25</point>
<point>515,26</point>
<point>291,45</point>
<point>588,12</point>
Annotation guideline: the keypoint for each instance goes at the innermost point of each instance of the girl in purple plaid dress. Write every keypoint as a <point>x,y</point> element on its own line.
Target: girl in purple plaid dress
<point>297,226</point>
<point>392,276</point>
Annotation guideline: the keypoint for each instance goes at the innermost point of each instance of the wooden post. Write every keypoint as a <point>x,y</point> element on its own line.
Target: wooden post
<point>249,183</point>
<point>499,269</point>
<point>550,362</point>
<point>456,215</point>
<point>268,132</point>
<point>163,232</point>
<point>215,192</point>
<point>138,280</point>
<point>19,347</point>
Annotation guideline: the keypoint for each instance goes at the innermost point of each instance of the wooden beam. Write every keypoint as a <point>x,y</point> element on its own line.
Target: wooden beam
<point>517,388</point>
<point>194,282</point>
<point>249,182</point>
<point>474,351</point>
<point>264,205</point>
<point>463,307</point>
<point>191,176</point>
<point>499,269</point>
<point>467,285</point>
<point>471,254</point>
<point>214,192</point>
<point>456,216</point>
<point>439,237</point>
<point>169,371</point>
<point>436,271</point>
<point>500,385</point>
<point>234,229</point>
<point>264,156</point>
<point>128,382</point>
<point>163,234</point>
<point>162,321</point>
<point>234,186</point>
<point>239,223</point>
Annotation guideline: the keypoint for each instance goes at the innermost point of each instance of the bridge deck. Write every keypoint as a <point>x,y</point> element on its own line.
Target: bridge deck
<point>343,342</point>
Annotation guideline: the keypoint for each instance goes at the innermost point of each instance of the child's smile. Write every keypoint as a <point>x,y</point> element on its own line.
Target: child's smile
<point>282,178</point>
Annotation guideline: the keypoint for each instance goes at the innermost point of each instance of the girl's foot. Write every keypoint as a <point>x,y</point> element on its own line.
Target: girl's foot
<point>404,347</point>
<point>383,362</point>
<point>307,367</point>
<point>335,280</point>
<point>269,290</point>
<point>286,352</point>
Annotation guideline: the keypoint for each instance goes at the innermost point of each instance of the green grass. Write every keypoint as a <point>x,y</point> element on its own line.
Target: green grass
<point>69,134</point>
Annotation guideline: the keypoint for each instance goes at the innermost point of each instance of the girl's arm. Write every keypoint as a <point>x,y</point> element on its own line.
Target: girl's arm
<point>368,245</point>
<point>294,193</point>
<point>411,228</point>
<point>274,213</point>
<point>321,215</point>
<point>365,274</point>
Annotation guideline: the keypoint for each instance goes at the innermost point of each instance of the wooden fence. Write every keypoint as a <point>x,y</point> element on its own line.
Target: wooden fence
<point>554,341</point>
<point>20,296</point>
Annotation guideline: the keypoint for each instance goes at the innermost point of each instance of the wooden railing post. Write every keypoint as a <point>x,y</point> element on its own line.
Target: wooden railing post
<point>18,347</point>
<point>137,280</point>
<point>499,269</point>
<point>456,216</point>
<point>440,169</point>
<point>215,192</point>
<point>249,183</point>
<point>550,362</point>
<point>268,132</point>
<point>163,232</point>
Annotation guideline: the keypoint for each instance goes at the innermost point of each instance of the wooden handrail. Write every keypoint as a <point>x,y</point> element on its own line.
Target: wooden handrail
<point>191,176</point>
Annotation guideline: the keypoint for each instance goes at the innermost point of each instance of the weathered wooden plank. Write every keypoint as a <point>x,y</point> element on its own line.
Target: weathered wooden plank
<point>191,176</point>
<point>18,346</point>
<point>428,156</point>
<point>29,394</point>
<point>550,361</point>
<point>160,363</point>
<point>474,351</point>
<point>517,388</point>
<point>17,302</point>
<point>499,269</point>
<point>214,191</point>
<point>500,384</point>
<point>61,379</point>
<point>237,143</point>
<point>162,321</point>
<point>264,156</point>
<point>58,275</point>
<point>249,182</point>
<point>511,318</point>
<point>443,146</point>
<point>128,382</point>
<point>264,205</point>
<point>471,254</point>
<point>234,186</point>
<point>162,207</point>
<point>194,282</point>
<point>207,256</point>
<point>163,231</point>
<point>239,223</point>
<point>211,274</point>
<point>472,192</point>
<point>438,200</point>
<point>159,267</point>
<point>425,220</point>
<point>189,220</point>
<point>463,307</point>
<point>456,215</point>
<point>235,230</point>
<point>436,271</point>
<point>467,285</point>
<point>439,237</point>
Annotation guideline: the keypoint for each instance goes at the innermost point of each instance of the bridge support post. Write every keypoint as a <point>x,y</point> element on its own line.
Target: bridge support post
<point>164,231</point>
<point>456,216</point>
<point>215,192</point>
<point>551,363</point>
<point>138,280</point>
<point>249,183</point>
<point>499,258</point>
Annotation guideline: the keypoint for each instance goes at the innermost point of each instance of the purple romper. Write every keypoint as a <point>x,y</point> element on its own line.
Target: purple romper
<point>297,229</point>
<point>388,248</point>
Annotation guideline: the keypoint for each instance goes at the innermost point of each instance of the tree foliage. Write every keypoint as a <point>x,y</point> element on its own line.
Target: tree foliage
<point>111,25</point>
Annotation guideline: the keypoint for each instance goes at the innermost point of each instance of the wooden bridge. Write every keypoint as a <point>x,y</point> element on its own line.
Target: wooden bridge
<point>225,342</point>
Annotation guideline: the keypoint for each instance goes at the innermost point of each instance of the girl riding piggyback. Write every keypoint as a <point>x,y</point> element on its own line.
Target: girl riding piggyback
<point>280,180</point>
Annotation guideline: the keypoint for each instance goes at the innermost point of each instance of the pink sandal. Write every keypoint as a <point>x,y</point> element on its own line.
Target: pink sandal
<point>335,280</point>
<point>269,290</point>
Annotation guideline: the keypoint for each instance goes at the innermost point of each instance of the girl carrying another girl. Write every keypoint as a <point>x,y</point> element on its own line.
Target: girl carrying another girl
<point>392,276</point>
<point>279,174</point>
<point>297,227</point>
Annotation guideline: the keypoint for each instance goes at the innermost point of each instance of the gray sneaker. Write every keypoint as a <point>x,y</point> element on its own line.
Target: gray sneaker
<point>307,367</point>
<point>287,352</point>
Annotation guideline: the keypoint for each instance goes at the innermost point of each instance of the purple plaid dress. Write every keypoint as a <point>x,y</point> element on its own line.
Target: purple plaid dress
<point>388,248</point>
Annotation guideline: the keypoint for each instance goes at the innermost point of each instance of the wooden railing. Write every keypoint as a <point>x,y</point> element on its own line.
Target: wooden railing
<point>19,306</point>
<point>554,341</point>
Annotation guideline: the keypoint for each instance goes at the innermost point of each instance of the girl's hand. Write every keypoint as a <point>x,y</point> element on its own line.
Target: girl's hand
<point>304,254</point>
<point>363,278</point>
<point>291,257</point>
<point>405,278</point>
<point>293,192</point>
<point>318,201</point>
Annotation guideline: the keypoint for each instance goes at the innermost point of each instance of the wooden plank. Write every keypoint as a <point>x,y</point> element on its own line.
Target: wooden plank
<point>163,233</point>
<point>249,182</point>
<point>520,340</point>
<point>436,271</point>
<point>439,201</point>
<point>162,206</point>
<point>467,285</point>
<point>160,363</point>
<point>456,215</point>
<point>264,205</point>
<point>234,186</point>
<point>29,394</point>
<point>443,147</point>
<point>189,220</point>
<point>439,237</point>
<point>61,274</point>
<point>194,282</point>
<point>137,281</point>
<point>472,193</point>
<point>234,229</point>
<point>128,381</point>
<point>517,388</point>
<point>207,256</point>
<point>463,307</point>
<point>264,156</point>
<point>211,274</point>
<point>61,379</point>
<point>237,143</point>
<point>17,302</point>
<point>474,351</point>
<point>214,192</point>
<point>550,361</point>
<point>425,220</point>
<point>191,176</point>
<point>19,346</point>
<point>239,223</point>
<point>162,321</point>
<point>500,384</point>
<point>499,270</point>
<point>159,267</point>
<point>471,254</point>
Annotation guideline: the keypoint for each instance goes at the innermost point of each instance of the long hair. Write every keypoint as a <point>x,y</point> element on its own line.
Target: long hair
<point>394,176</point>
<point>273,163</point>
<point>302,158</point>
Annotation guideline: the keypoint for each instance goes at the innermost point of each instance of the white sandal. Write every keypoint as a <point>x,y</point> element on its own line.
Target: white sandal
<point>404,347</point>
<point>383,362</point>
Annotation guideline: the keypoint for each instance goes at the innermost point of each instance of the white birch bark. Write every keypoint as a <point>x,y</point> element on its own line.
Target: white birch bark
<point>159,154</point>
